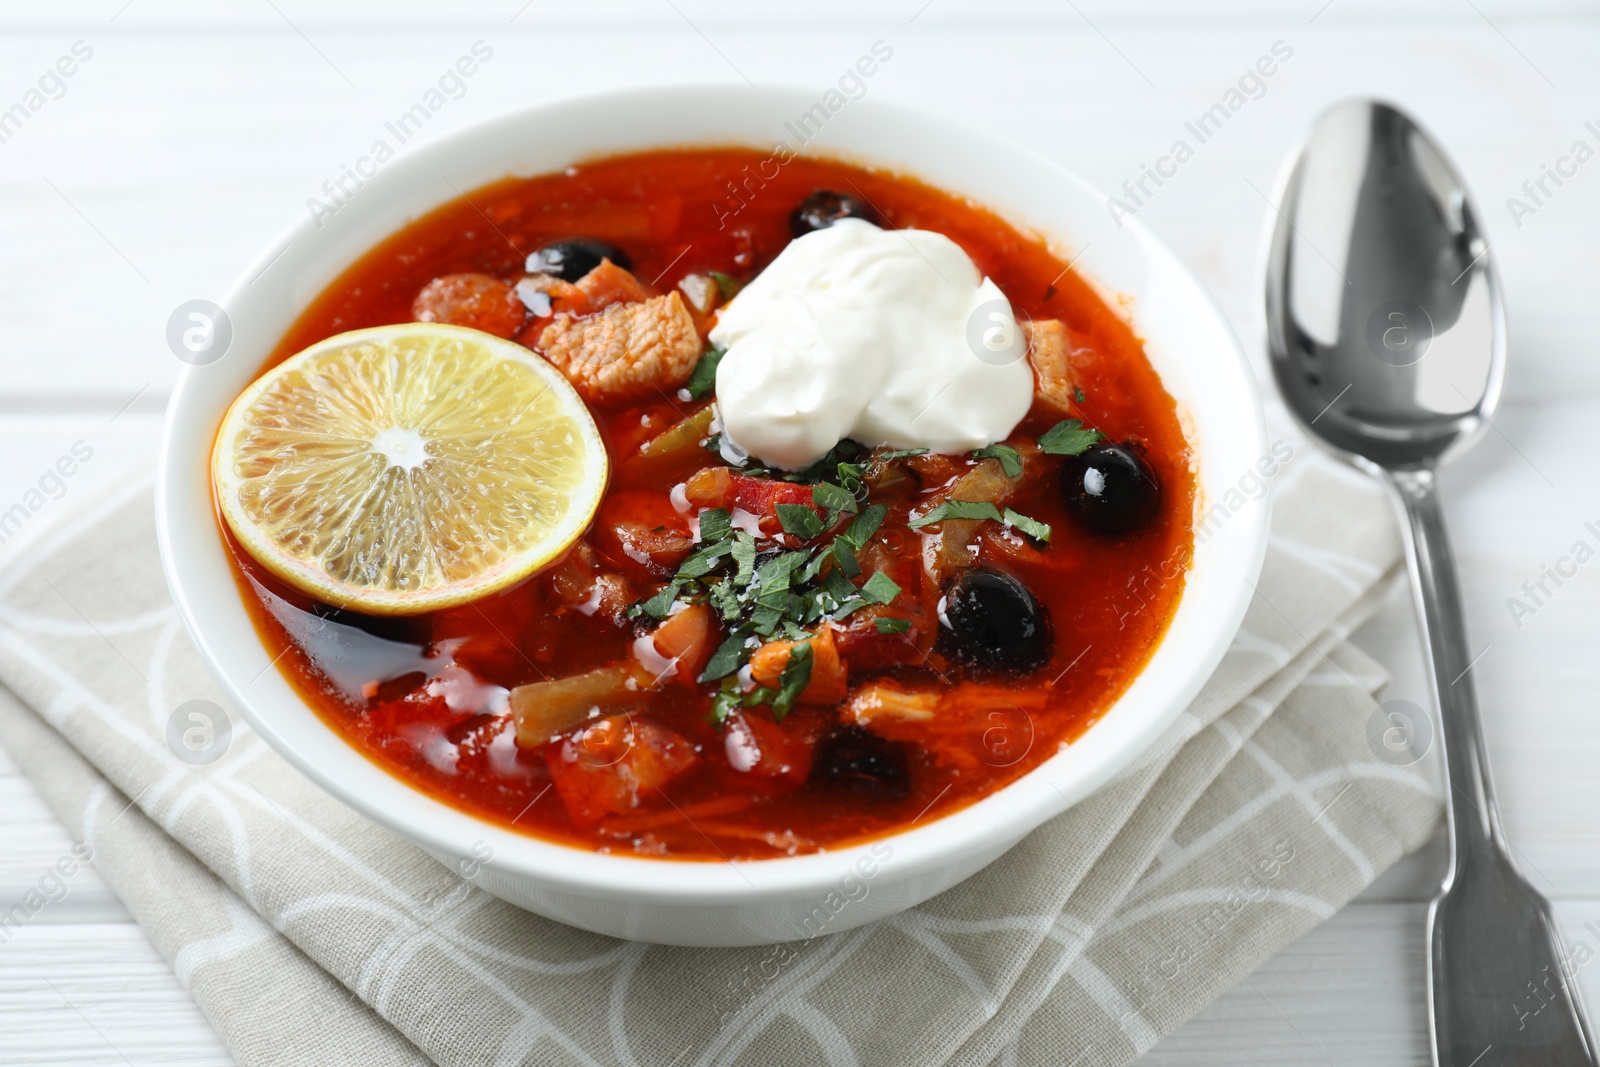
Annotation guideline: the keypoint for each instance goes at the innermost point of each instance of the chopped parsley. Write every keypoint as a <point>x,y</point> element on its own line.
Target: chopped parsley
<point>794,679</point>
<point>886,625</point>
<point>716,524</point>
<point>704,378</point>
<point>1010,459</point>
<point>981,510</point>
<point>958,509</point>
<point>832,497</point>
<point>1069,437</point>
<point>1030,526</point>
<point>880,588</point>
<point>799,520</point>
<point>727,284</point>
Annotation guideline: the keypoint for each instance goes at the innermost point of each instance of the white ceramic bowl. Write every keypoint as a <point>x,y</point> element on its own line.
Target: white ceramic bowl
<point>695,903</point>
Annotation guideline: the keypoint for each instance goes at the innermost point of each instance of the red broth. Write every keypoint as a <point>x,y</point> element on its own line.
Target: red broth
<point>423,696</point>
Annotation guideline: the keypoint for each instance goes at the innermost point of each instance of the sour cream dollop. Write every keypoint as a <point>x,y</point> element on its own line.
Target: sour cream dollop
<point>888,337</point>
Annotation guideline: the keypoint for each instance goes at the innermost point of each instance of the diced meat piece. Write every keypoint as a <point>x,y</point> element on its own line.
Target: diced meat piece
<point>480,301</point>
<point>616,765</point>
<point>828,681</point>
<point>626,351</point>
<point>609,284</point>
<point>965,726</point>
<point>686,640</point>
<point>879,701</point>
<point>581,583</point>
<point>757,746</point>
<point>642,533</point>
<point>1048,346</point>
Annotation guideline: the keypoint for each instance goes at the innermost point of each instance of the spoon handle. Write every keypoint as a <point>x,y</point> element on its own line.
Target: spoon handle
<point>1501,986</point>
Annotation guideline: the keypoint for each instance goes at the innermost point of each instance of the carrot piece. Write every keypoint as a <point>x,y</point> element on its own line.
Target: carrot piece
<point>829,680</point>
<point>688,639</point>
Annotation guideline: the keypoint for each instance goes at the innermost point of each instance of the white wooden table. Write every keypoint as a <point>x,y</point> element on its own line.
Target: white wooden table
<point>193,133</point>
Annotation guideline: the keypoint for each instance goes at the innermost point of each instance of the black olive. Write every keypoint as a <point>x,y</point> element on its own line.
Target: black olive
<point>990,622</point>
<point>824,207</point>
<point>1111,488</point>
<point>863,763</point>
<point>571,260</point>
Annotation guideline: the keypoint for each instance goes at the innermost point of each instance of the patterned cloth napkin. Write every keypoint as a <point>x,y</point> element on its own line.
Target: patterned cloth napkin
<point>309,935</point>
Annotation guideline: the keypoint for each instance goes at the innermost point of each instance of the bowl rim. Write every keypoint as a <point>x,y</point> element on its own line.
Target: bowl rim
<point>1017,808</point>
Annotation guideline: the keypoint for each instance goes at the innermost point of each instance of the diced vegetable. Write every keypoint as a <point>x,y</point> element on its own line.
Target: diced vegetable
<point>701,291</point>
<point>688,639</point>
<point>828,682</point>
<point>710,487</point>
<point>684,434</point>
<point>616,765</point>
<point>545,710</point>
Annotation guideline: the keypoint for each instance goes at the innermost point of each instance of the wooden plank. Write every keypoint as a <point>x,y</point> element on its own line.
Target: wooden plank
<point>96,994</point>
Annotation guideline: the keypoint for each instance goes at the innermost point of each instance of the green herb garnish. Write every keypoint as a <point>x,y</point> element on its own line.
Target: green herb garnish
<point>1030,526</point>
<point>794,679</point>
<point>958,509</point>
<point>1010,459</point>
<point>831,497</point>
<point>716,524</point>
<point>658,606</point>
<point>880,588</point>
<point>729,657</point>
<point>800,521</point>
<point>727,284</point>
<point>1069,437</point>
<point>886,625</point>
<point>704,378</point>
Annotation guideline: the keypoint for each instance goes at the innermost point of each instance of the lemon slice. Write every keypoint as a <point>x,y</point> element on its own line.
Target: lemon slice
<point>408,468</point>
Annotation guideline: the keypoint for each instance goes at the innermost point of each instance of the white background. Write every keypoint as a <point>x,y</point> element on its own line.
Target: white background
<point>196,132</point>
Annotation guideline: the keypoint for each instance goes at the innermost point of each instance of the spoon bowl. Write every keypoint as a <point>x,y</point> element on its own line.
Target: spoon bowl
<point>1386,329</point>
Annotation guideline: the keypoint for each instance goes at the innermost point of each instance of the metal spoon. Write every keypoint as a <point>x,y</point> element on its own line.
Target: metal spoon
<point>1387,339</point>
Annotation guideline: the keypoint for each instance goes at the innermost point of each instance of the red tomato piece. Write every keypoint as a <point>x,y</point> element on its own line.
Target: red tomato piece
<point>761,496</point>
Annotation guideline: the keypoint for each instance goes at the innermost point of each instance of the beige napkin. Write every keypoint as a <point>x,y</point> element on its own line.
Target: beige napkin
<point>310,935</point>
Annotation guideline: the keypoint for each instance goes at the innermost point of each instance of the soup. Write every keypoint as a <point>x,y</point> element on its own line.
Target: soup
<point>740,660</point>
